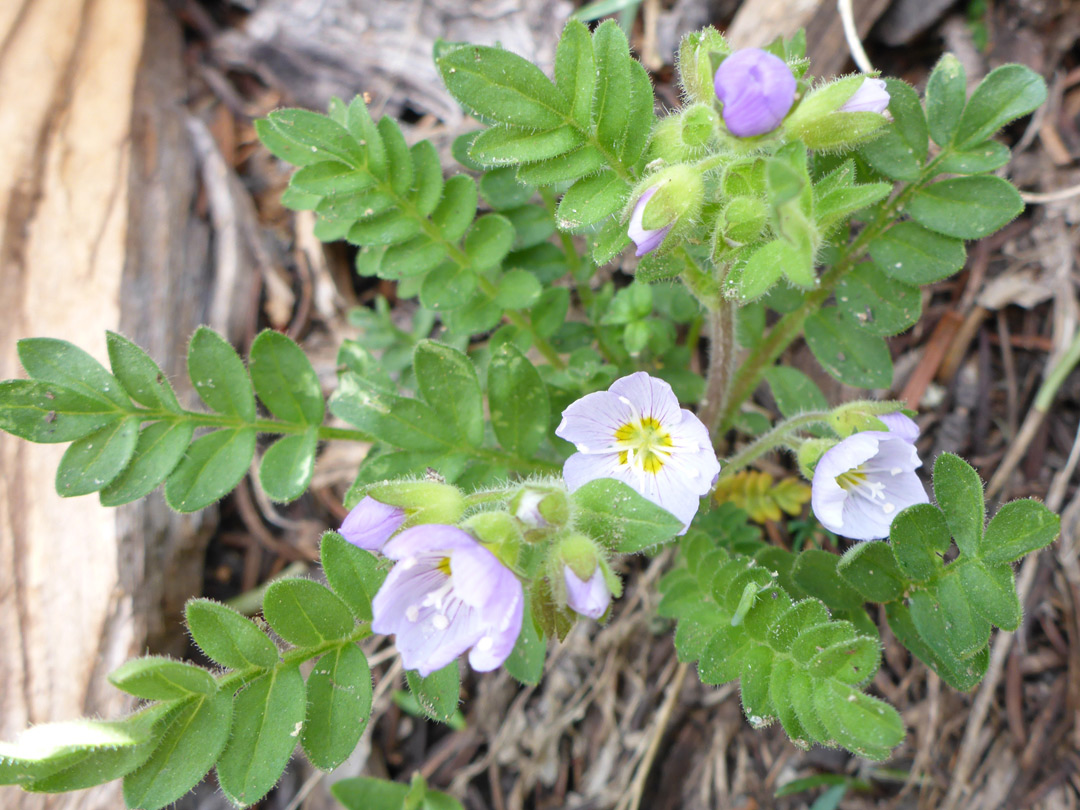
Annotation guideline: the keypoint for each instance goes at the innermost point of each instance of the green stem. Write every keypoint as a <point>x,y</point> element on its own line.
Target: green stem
<point>777,437</point>
<point>1053,381</point>
<point>789,327</point>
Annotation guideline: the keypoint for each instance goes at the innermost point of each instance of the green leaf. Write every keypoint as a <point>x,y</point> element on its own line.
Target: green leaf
<point>838,205</point>
<point>57,361</point>
<point>852,662</point>
<point>591,200</point>
<point>368,793</point>
<point>502,86</point>
<point>287,465</point>
<point>505,145</point>
<point>140,376</point>
<point>563,169</point>
<point>188,746</point>
<point>437,694</point>
<point>518,289</point>
<point>781,676</point>
<point>488,241</point>
<point>641,120</point>
<point>267,719</point>
<point>846,352</point>
<point>330,178</point>
<point>526,661</point>
<point>305,613</point>
<point>764,267</point>
<point>219,376</point>
<point>406,423</point>
<point>549,313</point>
<point>533,225</point>
<point>877,303</point>
<point>212,467</point>
<point>900,152</point>
<point>966,207</point>
<point>1007,93</point>
<point>992,593</point>
<point>815,572</point>
<point>448,287</point>
<point>501,189</point>
<point>319,133</point>
<point>575,71</point>
<point>228,638</point>
<point>1018,528</point>
<point>398,158</point>
<point>353,573</point>
<point>362,128</point>
<point>794,392</point>
<point>448,381</point>
<point>946,91</point>
<point>960,675</point>
<point>919,537</point>
<point>387,228</point>
<point>284,147</point>
<point>959,492</point>
<point>860,723</point>
<point>49,413</point>
<point>94,461</point>
<point>914,255</point>
<point>610,110</point>
<point>518,401</point>
<point>871,569</point>
<point>457,209</point>
<point>285,380</point>
<point>429,177</point>
<point>612,512</point>
<point>155,678</point>
<point>338,708</point>
<point>159,448</point>
<point>947,621</point>
<point>982,157</point>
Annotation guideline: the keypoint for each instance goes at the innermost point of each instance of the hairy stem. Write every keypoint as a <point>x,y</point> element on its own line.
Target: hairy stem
<point>768,442</point>
<point>720,327</point>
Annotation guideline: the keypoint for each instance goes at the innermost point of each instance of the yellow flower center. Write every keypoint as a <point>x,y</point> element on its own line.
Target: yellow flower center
<point>444,565</point>
<point>644,442</point>
<point>852,479</point>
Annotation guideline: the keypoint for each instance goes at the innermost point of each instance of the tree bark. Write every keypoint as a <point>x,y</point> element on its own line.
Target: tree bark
<point>97,187</point>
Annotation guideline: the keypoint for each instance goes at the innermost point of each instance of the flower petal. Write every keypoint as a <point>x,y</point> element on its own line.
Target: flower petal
<point>649,396</point>
<point>590,599</point>
<point>757,89</point>
<point>580,469</point>
<point>502,618</point>
<point>371,523</point>
<point>590,422</point>
<point>901,425</point>
<point>429,538</point>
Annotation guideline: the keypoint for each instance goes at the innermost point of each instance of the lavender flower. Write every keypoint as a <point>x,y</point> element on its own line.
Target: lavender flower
<point>371,523</point>
<point>861,483</point>
<point>446,595</point>
<point>870,97</point>
<point>646,241</point>
<point>636,433</point>
<point>588,598</point>
<point>757,89</point>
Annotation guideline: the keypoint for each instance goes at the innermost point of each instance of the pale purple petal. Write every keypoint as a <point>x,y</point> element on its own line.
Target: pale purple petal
<point>581,468</point>
<point>427,648</point>
<point>646,240</point>
<point>590,599</point>
<point>590,422</point>
<point>649,396</point>
<point>430,538</point>
<point>371,523</point>
<point>757,89</point>
<point>405,586</point>
<point>502,618</point>
<point>901,425</point>
<point>478,575</point>
<point>872,96</point>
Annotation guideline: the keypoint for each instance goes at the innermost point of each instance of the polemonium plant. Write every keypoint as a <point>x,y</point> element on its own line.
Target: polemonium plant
<point>772,207</point>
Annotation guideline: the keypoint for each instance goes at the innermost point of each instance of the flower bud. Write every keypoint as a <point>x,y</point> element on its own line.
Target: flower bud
<point>498,532</point>
<point>872,96</point>
<point>371,523</point>
<point>589,598</point>
<point>699,53</point>
<point>422,501</point>
<point>757,90</point>
<point>540,508</point>
<point>646,240</point>
<point>673,198</point>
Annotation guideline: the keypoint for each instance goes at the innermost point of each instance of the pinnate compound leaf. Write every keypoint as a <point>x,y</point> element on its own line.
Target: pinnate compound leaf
<point>156,678</point>
<point>848,353</point>
<point>448,382</point>
<point>610,510</point>
<point>437,694</point>
<point>910,253</point>
<point>159,448</point>
<point>406,423</point>
<point>353,573</point>
<point>94,461</point>
<point>287,465</point>
<point>228,638</point>
<point>1018,528</point>
<point>219,376</point>
<point>305,613</point>
<point>1006,93</point>
<point>285,380</point>
<point>140,376</point>
<point>212,467</point>
<point>60,362</point>
<point>189,745</point>
<point>959,492</point>
<point>49,413</point>
<point>966,207</point>
<point>518,401</point>
<point>267,719</point>
<point>338,706</point>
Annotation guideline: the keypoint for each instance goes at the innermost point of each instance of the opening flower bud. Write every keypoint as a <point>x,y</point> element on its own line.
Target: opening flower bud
<point>872,96</point>
<point>757,90</point>
<point>422,501</point>
<point>674,196</point>
<point>587,590</point>
<point>498,532</point>
<point>371,523</point>
<point>540,508</point>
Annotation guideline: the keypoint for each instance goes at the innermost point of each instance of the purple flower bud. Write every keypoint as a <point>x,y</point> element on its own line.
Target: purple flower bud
<point>863,482</point>
<point>447,595</point>
<point>527,509</point>
<point>870,97</point>
<point>757,89</point>
<point>646,241</point>
<point>371,523</point>
<point>590,599</point>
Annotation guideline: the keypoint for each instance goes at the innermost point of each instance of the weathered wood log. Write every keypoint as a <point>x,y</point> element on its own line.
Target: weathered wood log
<point>97,231</point>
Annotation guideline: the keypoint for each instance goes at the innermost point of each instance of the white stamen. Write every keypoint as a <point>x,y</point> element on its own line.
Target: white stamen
<point>435,598</point>
<point>440,621</point>
<point>412,613</point>
<point>485,643</point>
<point>888,508</point>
